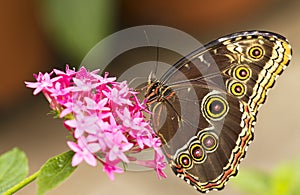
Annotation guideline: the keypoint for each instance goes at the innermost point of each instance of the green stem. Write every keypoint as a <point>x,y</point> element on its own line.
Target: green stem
<point>22,183</point>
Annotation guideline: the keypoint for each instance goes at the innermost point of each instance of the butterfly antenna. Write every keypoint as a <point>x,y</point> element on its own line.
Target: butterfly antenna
<point>157,58</point>
<point>152,76</point>
<point>147,38</point>
<point>134,79</point>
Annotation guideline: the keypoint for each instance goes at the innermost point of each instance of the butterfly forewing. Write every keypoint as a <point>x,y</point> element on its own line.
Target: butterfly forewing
<point>204,107</point>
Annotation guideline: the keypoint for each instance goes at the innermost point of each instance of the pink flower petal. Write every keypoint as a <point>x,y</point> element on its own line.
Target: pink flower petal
<point>105,118</point>
<point>77,159</point>
<point>73,146</point>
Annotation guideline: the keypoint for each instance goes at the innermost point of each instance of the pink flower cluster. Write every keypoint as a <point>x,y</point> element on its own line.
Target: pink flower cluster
<point>105,118</point>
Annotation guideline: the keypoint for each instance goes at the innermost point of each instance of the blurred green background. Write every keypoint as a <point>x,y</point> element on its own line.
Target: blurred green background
<point>40,35</point>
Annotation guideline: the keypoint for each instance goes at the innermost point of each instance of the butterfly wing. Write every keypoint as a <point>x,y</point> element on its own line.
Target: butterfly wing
<point>211,98</point>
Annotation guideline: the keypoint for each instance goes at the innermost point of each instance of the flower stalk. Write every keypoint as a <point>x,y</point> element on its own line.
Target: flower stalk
<point>22,183</point>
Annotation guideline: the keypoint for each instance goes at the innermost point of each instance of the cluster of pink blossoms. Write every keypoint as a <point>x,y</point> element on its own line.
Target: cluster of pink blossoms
<point>105,118</point>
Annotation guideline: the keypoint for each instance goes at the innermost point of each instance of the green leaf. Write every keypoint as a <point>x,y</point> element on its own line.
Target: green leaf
<point>13,168</point>
<point>252,182</point>
<point>54,171</point>
<point>286,179</point>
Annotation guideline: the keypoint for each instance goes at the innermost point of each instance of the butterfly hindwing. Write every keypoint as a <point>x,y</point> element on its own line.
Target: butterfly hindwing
<point>207,103</point>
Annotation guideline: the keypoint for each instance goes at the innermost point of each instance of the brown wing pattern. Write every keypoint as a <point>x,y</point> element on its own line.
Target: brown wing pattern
<point>209,101</point>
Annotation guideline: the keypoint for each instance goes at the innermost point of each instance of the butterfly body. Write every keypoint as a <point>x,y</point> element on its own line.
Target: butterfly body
<point>204,107</point>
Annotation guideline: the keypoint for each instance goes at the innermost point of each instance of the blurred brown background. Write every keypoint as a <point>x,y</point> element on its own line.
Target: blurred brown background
<point>40,35</point>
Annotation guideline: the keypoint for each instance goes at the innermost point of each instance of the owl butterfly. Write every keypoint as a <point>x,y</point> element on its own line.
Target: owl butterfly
<point>204,107</point>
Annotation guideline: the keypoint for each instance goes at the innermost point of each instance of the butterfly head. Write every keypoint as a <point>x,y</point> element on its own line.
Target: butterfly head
<point>153,92</point>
